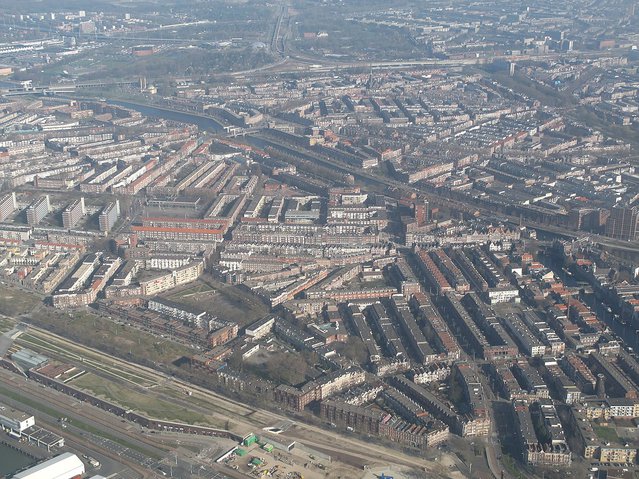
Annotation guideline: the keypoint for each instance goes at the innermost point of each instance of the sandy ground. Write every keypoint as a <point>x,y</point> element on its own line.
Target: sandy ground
<point>446,468</point>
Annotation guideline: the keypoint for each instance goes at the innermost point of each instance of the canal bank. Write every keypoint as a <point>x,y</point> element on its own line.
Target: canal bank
<point>203,122</point>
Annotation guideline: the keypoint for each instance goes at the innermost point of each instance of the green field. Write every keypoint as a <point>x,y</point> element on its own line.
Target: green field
<point>608,434</point>
<point>95,331</point>
<point>14,301</point>
<point>221,300</point>
<point>146,404</point>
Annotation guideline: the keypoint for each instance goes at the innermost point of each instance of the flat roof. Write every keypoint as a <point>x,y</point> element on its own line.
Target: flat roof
<point>13,414</point>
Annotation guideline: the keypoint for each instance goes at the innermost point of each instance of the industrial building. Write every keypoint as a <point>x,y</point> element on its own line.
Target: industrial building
<point>28,359</point>
<point>16,421</point>
<point>64,466</point>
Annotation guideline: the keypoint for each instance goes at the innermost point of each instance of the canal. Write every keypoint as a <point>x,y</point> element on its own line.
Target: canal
<point>204,123</point>
<point>12,460</point>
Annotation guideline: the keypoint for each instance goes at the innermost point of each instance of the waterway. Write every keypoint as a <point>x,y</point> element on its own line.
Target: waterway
<point>206,124</point>
<point>12,460</point>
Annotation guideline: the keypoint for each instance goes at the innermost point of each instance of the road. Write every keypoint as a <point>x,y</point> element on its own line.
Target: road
<point>75,438</point>
<point>358,451</point>
<point>492,441</point>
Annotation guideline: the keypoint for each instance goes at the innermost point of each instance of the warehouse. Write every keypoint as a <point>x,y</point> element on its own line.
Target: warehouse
<point>64,466</point>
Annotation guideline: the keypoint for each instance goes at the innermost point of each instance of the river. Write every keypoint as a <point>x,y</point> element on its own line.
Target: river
<point>207,124</point>
<point>11,461</point>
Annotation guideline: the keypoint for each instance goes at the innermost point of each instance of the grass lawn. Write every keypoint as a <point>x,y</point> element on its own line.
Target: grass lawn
<point>96,331</point>
<point>196,290</point>
<point>14,301</point>
<point>222,300</point>
<point>608,434</point>
<point>143,403</point>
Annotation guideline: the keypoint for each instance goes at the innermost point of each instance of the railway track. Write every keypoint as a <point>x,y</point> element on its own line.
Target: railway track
<point>308,434</point>
<point>60,402</point>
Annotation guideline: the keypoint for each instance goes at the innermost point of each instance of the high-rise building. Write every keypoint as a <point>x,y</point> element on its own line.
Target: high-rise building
<point>8,205</point>
<point>623,223</point>
<point>109,215</point>
<point>73,213</point>
<point>87,27</point>
<point>38,210</point>
<point>600,386</point>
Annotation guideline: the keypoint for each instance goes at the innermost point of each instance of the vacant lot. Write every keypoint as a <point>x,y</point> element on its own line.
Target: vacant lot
<point>608,434</point>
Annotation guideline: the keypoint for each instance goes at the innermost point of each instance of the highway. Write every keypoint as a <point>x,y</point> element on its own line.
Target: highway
<point>277,46</point>
<point>300,61</point>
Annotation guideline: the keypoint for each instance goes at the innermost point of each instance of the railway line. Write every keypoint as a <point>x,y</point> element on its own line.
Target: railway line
<point>140,447</point>
<point>94,366</point>
<point>398,189</point>
<point>312,436</point>
<point>76,439</point>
